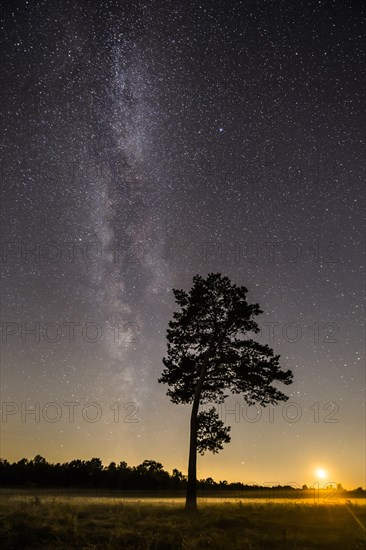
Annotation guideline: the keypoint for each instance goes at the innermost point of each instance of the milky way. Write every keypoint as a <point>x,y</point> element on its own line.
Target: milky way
<point>146,142</point>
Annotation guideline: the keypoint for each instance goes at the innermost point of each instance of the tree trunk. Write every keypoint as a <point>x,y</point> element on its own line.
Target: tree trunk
<point>191,495</point>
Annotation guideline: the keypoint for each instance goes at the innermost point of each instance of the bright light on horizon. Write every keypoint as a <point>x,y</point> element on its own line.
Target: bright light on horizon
<point>322,474</point>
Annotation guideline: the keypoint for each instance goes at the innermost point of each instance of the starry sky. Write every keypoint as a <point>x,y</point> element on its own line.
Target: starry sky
<point>143,143</point>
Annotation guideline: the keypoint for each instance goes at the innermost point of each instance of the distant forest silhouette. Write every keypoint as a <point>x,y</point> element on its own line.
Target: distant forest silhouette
<point>91,474</point>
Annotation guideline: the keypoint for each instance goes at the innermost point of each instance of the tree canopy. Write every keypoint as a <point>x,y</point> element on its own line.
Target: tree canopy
<point>213,319</point>
<point>210,355</point>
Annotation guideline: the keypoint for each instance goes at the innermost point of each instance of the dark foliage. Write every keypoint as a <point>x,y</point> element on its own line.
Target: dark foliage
<point>210,355</point>
<point>90,474</point>
<point>215,318</point>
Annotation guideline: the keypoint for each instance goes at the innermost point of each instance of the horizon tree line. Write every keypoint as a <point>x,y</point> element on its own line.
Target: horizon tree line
<point>92,474</point>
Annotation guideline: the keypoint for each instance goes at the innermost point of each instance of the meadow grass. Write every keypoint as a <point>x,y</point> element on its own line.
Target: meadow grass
<point>93,524</point>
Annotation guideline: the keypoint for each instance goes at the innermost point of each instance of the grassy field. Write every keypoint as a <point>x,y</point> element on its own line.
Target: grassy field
<point>96,524</point>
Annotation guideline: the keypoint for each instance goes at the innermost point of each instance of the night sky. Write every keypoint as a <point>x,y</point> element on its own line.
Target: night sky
<point>146,142</point>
